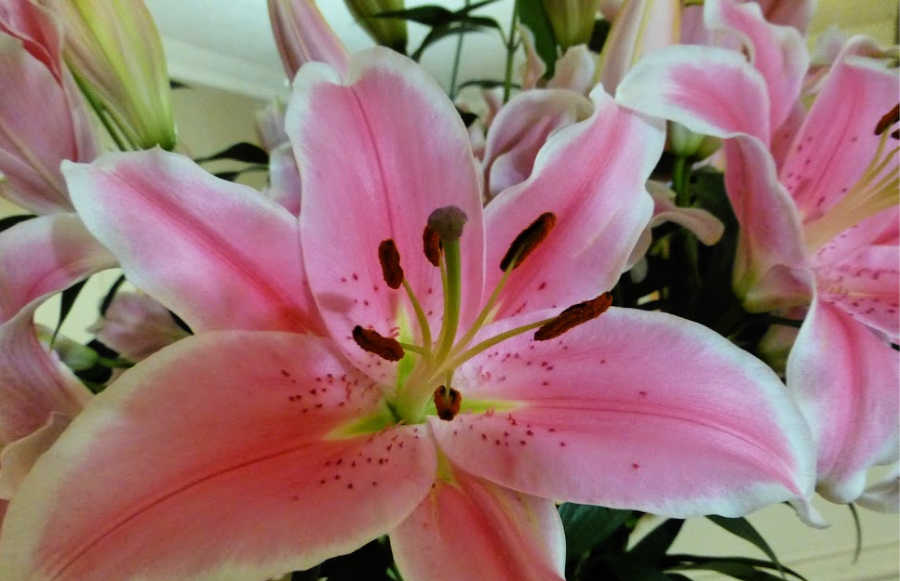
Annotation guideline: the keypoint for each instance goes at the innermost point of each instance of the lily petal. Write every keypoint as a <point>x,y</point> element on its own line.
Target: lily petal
<point>284,179</point>
<point>845,379</point>
<point>883,495</point>
<point>468,528</point>
<point>837,143</point>
<point>33,382</point>
<point>238,431</point>
<point>38,30</point>
<point>521,129</point>
<point>388,144</point>
<point>796,13</point>
<point>601,416</point>
<point>217,253</point>
<point>600,203</point>
<point>36,131</point>
<point>17,458</point>
<point>866,286</point>
<point>778,52</point>
<point>533,68</point>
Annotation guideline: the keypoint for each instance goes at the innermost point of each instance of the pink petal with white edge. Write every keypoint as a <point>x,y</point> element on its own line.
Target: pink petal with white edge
<point>136,325</point>
<point>866,286</point>
<point>33,383</point>
<point>837,142</point>
<point>377,155</point>
<point>770,266</point>
<point>845,379</point>
<point>217,253</point>
<point>17,458</point>
<point>574,70</point>
<point>533,68</point>
<point>883,495</point>
<point>468,528</point>
<point>270,125</point>
<point>284,179</point>
<point>778,52</point>
<point>591,175</point>
<point>602,416</point>
<point>238,429</point>
<point>521,129</point>
<point>709,90</point>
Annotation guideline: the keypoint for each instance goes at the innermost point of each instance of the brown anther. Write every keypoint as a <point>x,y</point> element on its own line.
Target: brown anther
<point>891,117</point>
<point>896,134</point>
<point>371,341</point>
<point>431,242</point>
<point>389,258</point>
<point>447,401</point>
<point>527,240</point>
<point>574,316</point>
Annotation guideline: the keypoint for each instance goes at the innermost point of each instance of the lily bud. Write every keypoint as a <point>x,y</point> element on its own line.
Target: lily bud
<point>390,32</point>
<point>302,35</point>
<point>114,51</point>
<point>640,27</point>
<point>685,143</point>
<point>572,20</point>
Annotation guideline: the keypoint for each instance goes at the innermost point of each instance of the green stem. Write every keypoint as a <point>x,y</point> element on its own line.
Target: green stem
<point>452,298</point>
<point>420,316</point>
<point>453,74</point>
<point>680,174</point>
<point>510,52</point>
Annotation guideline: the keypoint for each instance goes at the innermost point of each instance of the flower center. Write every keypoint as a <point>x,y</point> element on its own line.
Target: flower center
<point>426,388</point>
<point>876,189</point>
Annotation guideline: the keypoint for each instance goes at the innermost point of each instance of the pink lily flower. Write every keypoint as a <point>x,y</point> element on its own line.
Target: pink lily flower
<point>286,432</point>
<point>819,218</point>
<point>136,326</point>
<point>36,134</point>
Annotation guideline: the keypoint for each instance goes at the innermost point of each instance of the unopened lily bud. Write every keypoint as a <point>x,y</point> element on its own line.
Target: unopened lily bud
<point>302,35</point>
<point>390,32</point>
<point>114,51</point>
<point>572,20</point>
<point>685,143</point>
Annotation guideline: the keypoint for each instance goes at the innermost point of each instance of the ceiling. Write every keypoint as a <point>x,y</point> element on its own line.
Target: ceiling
<point>228,43</point>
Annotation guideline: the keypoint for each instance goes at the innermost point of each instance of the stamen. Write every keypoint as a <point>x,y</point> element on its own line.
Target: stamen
<point>373,342</point>
<point>448,222</point>
<point>447,401</point>
<point>389,258</point>
<point>527,240</point>
<point>889,118</point>
<point>431,243</point>
<point>574,316</point>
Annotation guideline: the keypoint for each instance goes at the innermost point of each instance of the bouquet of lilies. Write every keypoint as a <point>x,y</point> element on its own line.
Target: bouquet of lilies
<point>650,269</point>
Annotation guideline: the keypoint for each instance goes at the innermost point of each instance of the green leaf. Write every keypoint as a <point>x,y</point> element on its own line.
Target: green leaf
<point>486,84</point>
<point>10,221</point>
<point>533,15</point>
<point>65,306</point>
<point>440,32</point>
<point>436,16</point>
<point>111,294</point>
<point>742,528</point>
<point>653,547</point>
<point>696,562</point>
<point>243,151</point>
<point>588,526</point>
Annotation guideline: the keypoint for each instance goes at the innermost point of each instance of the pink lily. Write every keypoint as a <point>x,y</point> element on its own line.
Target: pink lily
<point>819,228</point>
<point>37,134</point>
<point>274,414</point>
